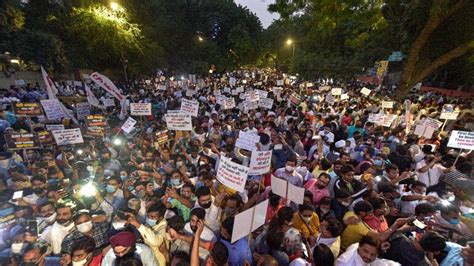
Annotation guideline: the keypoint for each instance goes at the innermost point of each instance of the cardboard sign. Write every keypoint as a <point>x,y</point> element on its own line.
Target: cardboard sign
<point>178,122</point>
<point>280,82</point>
<point>247,141</point>
<point>253,96</point>
<point>262,93</point>
<point>55,127</point>
<point>344,97</point>
<point>28,109</point>
<point>265,103</point>
<point>287,190</point>
<point>249,220</point>
<point>96,121</point>
<point>461,140</point>
<point>46,138</point>
<point>336,91</point>
<point>53,109</point>
<point>365,91</point>
<point>95,132</point>
<point>448,112</point>
<point>250,105</point>
<point>68,136</point>
<point>162,137</point>
<point>83,110</point>
<point>109,102</point>
<point>128,126</point>
<point>424,131</point>
<point>190,107</point>
<point>22,141</point>
<point>295,98</point>
<point>140,108</point>
<point>260,162</point>
<point>232,175</point>
<point>229,103</point>
<point>386,104</point>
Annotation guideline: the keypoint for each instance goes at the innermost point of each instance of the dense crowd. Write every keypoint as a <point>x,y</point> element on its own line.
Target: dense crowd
<point>375,192</point>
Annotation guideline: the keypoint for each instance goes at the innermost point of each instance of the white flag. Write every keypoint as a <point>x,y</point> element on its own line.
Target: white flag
<point>106,84</point>
<point>91,97</point>
<point>50,87</point>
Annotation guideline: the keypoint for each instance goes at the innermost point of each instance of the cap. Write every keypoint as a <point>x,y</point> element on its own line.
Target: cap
<point>123,239</point>
<point>340,143</point>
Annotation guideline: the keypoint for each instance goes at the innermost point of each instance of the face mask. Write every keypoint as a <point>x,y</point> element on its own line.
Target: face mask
<point>110,188</point>
<point>346,204</point>
<point>207,205</point>
<point>175,182</point>
<point>63,222</point>
<point>307,219</point>
<point>140,194</point>
<point>151,222</point>
<point>289,168</point>
<point>324,210</point>
<point>81,262</point>
<point>6,212</point>
<point>228,211</point>
<point>123,177</point>
<point>16,247</point>
<point>38,190</point>
<point>118,225</point>
<point>50,219</point>
<point>130,188</point>
<point>84,227</point>
<point>179,164</point>
<point>199,184</point>
<point>378,162</point>
<point>454,221</point>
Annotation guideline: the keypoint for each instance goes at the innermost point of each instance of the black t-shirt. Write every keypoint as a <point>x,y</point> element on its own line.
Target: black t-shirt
<point>403,251</point>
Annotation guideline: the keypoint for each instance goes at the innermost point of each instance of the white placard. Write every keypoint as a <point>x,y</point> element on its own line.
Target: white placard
<point>68,136</point>
<point>260,162</point>
<point>247,141</point>
<point>336,91</point>
<point>229,103</point>
<point>232,81</point>
<point>365,91</point>
<point>344,97</point>
<point>190,93</point>
<point>280,82</point>
<point>232,175</point>
<point>260,215</point>
<point>128,126</point>
<point>265,103</point>
<point>295,194</point>
<point>387,104</point>
<point>55,127</point>
<point>240,89</point>
<point>52,109</point>
<point>140,108</point>
<point>262,93</point>
<point>449,112</point>
<point>178,121</point>
<point>250,105</point>
<point>461,140</point>
<point>226,89</point>
<point>253,96</point>
<point>436,124</point>
<point>279,186</point>
<point>190,107</point>
<point>83,110</point>
<point>109,102</point>
<point>249,220</point>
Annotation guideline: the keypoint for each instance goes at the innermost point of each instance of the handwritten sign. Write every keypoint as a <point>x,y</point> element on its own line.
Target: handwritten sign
<point>129,124</point>
<point>178,122</point>
<point>83,110</point>
<point>52,108</point>
<point>461,140</point>
<point>55,127</point>
<point>162,137</point>
<point>232,175</point>
<point>336,91</point>
<point>266,103</point>
<point>190,107</point>
<point>387,104</point>
<point>68,136</point>
<point>365,91</point>
<point>22,141</point>
<point>96,121</point>
<point>449,112</point>
<point>247,141</point>
<point>140,108</point>
<point>260,162</point>
<point>28,109</point>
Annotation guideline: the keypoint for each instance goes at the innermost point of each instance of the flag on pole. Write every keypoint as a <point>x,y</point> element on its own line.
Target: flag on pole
<point>50,87</point>
<point>106,84</point>
<point>91,97</point>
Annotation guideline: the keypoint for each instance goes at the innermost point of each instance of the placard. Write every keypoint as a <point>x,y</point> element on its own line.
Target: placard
<point>129,124</point>
<point>22,141</point>
<point>344,97</point>
<point>162,137</point>
<point>365,91</point>
<point>52,109</point>
<point>387,104</point>
<point>68,136</point>
<point>95,132</point>
<point>83,110</point>
<point>336,91</point>
<point>461,140</point>
<point>140,108</point>
<point>178,122</point>
<point>54,127</point>
<point>229,103</point>
<point>250,105</point>
<point>286,190</point>
<point>46,138</point>
<point>265,103</point>
<point>424,131</point>
<point>280,82</point>
<point>249,220</point>
<point>189,107</point>
<point>387,120</point>
<point>260,162</point>
<point>247,141</point>
<point>96,121</point>
<point>232,175</point>
<point>28,109</point>
<point>449,112</point>
<point>109,102</point>
<point>262,93</point>
<point>253,96</point>
<point>330,99</point>
<point>436,124</point>
<point>295,98</point>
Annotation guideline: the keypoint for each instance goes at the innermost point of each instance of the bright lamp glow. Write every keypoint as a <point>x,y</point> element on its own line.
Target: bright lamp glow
<point>117,142</point>
<point>114,6</point>
<point>445,202</point>
<point>289,41</point>
<point>88,190</point>
<point>79,152</point>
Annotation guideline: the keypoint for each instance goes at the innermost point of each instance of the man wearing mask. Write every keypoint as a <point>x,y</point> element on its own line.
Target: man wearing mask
<point>392,176</point>
<point>449,225</point>
<point>364,253</point>
<point>154,232</point>
<point>288,173</point>
<point>307,222</point>
<point>334,174</point>
<point>35,255</point>
<point>416,195</point>
<point>108,163</point>
<point>329,235</point>
<point>212,206</point>
<point>54,234</point>
<point>124,246</point>
<point>96,227</point>
<point>114,198</point>
<point>47,216</point>
<point>318,187</point>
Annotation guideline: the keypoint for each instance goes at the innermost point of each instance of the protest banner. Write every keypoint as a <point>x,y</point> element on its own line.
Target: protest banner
<point>28,109</point>
<point>96,121</point>
<point>286,190</point>
<point>22,141</point>
<point>129,124</point>
<point>344,97</point>
<point>424,131</point>
<point>190,107</point>
<point>83,110</point>
<point>365,91</point>
<point>68,136</point>
<point>336,91</point>
<point>279,82</point>
<point>253,96</point>
<point>95,132</point>
<point>247,141</point>
<point>265,103</point>
<point>262,93</point>
<point>140,109</point>
<point>295,98</point>
<point>109,102</point>
<point>249,220</point>
<point>53,109</point>
<point>54,127</point>
<point>387,104</point>
<point>461,140</point>
<point>260,162</point>
<point>232,175</point>
<point>250,105</point>
<point>106,84</point>
<point>46,138</point>
<point>178,122</point>
<point>162,137</point>
<point>449,112</point>
<point>229,103</point>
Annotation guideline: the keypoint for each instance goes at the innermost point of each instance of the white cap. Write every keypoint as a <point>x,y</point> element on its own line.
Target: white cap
<point>341,143</point>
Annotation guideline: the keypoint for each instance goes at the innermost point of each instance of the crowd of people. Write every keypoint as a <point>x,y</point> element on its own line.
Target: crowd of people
<point>374,193</point>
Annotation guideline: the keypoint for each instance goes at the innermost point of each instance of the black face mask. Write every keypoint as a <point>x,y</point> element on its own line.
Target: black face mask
<point>207,205</point>
<point>62,221</point>
<point>104,160</point>
<point>38,190</point>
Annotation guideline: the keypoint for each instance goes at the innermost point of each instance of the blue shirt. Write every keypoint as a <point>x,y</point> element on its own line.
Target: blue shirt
<point>454,255</point>
<point>237,252</point>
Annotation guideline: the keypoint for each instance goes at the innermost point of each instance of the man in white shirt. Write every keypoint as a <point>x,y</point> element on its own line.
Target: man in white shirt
<point>206,235</point>
<point>429,170</point>
<point>212,207</point>
<point>415,196</point>
<point>364,253</point>
<point>54,234</point>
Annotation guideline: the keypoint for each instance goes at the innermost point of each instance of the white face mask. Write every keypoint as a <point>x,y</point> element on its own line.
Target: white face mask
<point>51,219</point>
<point>307,219</point>
<point>289,168</point>
<point>84,227</point>
<point>80,263</point>
<point>16,247</point>
<point>346,204</point>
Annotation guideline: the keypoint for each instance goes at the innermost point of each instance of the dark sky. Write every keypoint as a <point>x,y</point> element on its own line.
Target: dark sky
<point>259,7</point>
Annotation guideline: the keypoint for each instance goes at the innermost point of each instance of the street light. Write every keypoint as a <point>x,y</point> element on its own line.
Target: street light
<point>201,39</point>
<point>291,42</point>
<point>114,6</point>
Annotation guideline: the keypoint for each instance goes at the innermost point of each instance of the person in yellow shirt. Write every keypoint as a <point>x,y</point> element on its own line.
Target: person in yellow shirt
<point>306,221</point>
